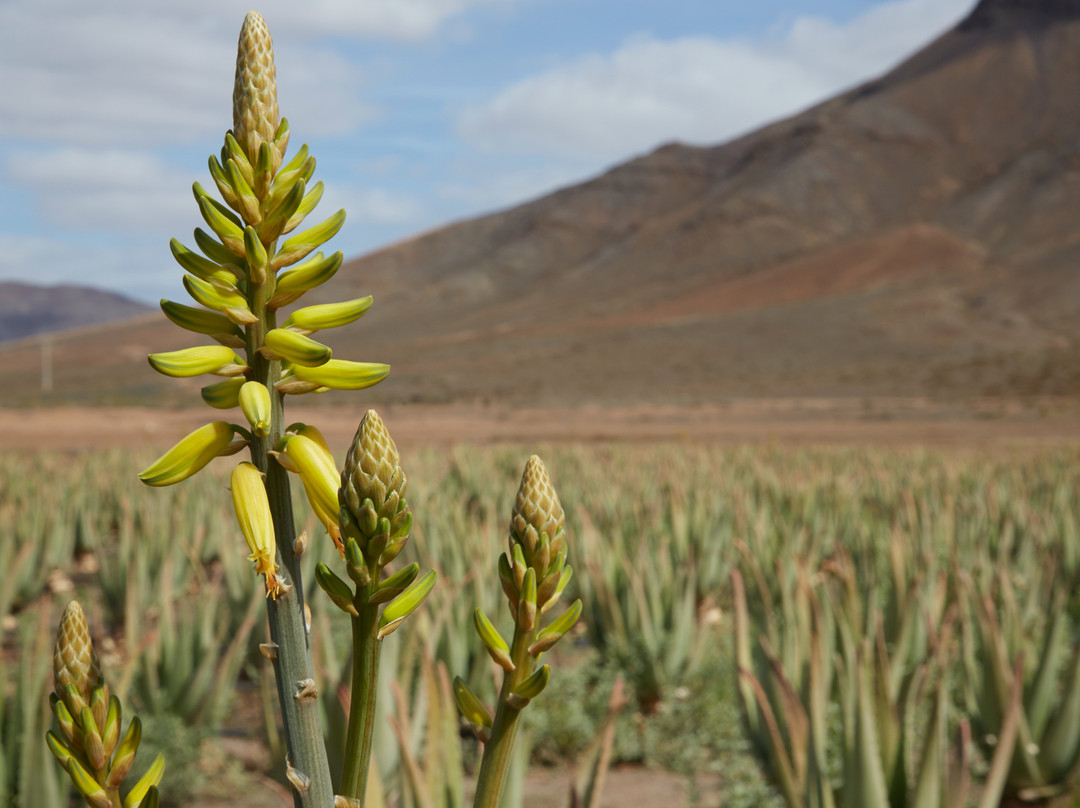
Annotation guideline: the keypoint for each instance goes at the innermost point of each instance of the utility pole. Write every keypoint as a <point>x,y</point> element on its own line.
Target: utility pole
<point>46,365</point>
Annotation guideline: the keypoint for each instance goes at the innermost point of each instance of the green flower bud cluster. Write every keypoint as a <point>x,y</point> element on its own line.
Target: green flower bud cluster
<point>89,744</point>
<point>533,573</point>
<point>537,547</point>
<point>374,512</point>
<point>248,263</point>
<point>375,522</point>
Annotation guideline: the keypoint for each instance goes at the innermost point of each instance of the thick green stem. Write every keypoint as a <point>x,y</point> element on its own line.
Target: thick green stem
<point>497,751</point>
<point>365,683</point>
<point>288,630</point>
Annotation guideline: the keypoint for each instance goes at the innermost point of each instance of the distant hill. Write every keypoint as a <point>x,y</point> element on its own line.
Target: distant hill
<point>917,235</point>
<point>27,309</point>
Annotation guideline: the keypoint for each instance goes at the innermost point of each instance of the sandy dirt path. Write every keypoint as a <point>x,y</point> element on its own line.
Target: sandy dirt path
<point>804,422</point>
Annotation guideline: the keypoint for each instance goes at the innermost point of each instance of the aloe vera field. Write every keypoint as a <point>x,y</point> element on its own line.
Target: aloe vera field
<point>787,626</point>
<point>853,596</point>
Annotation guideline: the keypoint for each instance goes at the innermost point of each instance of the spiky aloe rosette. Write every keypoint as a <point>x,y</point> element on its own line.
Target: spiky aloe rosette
<point>249,266</point>
<point>533,573</point>
<point>89,744</point>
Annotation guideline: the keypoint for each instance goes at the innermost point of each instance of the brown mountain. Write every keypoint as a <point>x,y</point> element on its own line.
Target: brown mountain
<point>918,234</point>
<point>28,309</point>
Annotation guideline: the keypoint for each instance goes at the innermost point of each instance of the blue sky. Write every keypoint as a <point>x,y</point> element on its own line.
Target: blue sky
<point>419,112</point>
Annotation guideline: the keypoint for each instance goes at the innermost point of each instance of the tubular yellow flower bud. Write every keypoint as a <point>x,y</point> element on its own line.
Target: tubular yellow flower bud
<point>216,359</point>
<point>125,754</point>
<point>225,394</point>
<point>336,589</point>
<point>282,211</point>
<point>58,748</point>
<point>559,626</point>
<point>281,343</point>
<point>87,786</point>
<point>255,404</point>
<point>405,604</point>
<point>222,297</point>
<point>190,455</point>
<point>313,272</point>
<point>255,107</point>
<point>256,256</point>
<point>494,643</point>
<point>470,706</point>
<point>300,167</point>
<point>307,204</point>
<point>312,432</point>
<point>327,315</point>
<point>319,473</point>
<point>146,784</point>
<point>256,523</point>
<point>304,243</point>
<point>74,660</point>
<point>200,321</point>
<point>530,688</point>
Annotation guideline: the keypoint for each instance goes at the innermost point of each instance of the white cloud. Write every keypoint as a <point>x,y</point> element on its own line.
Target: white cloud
<point>370,206</point>
<point>872,42</point>
<point>123,71</point>
<point>96,75</point>
<point>697,89</point>
<point>390,19</point>
<point>136,200</point>
<point>34,259</point>
<point>107,190</point>
<point>46,261</point>
<point>509,185</point>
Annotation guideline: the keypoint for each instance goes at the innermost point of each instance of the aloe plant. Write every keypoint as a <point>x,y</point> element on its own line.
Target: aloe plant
<point>189,662</point>
<point>27,775</point>
<point>592,766</point>
<point>1036,627</point>
<point>433,779</point>
<point>882,679</point>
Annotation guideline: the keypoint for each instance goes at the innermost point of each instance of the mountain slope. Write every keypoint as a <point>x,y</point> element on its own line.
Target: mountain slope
<point>27,309</point>
<point>880,242</point>
<point>918,234</point>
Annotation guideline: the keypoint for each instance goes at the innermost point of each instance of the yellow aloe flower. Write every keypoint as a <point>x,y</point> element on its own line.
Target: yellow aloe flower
<point>254,400</point>
<point>319,473</point>
<point>253,513</point>
<point>190,455</point>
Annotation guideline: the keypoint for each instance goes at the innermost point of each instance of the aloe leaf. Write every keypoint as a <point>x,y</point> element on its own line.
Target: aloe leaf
<point>781,762</point>
<point>931,774</point>
<point>1060,747</point>
<point>1041,698</point>
<point>871,791</point>
<point>744,659</point>
<point>1000,763</point>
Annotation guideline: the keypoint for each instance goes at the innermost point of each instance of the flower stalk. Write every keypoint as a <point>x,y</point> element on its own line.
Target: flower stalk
<point>234,283</point>
<point>375,524</point>
<point>533,573</point>
<point>365,682</point>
